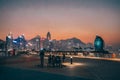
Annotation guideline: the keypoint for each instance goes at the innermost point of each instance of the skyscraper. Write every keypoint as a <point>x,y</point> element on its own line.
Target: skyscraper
<point>9,41</point>
<point>48,36</point>
<point>34,43</point>
<point>99,43</point>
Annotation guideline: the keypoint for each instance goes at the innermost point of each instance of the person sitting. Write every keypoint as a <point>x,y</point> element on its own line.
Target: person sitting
<point>58,61</point>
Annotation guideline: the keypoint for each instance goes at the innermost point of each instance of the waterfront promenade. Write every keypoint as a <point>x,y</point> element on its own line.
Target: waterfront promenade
<point>83,68</point>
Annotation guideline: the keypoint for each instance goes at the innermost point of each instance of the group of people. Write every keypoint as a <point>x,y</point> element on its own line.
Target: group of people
<point>53,60</point>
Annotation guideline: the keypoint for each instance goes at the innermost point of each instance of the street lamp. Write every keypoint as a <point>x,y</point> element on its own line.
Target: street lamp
<point>71,60</point>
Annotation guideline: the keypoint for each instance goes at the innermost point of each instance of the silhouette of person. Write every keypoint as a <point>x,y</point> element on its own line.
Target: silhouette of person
<point>63,58</point>
<point>58,61</point>
<point>53,60</point>
<point>49,59</point>
<point>42,57</point>
<point>13,51</point>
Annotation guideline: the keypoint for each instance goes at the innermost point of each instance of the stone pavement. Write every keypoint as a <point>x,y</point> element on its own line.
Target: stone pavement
<point>81,69</point>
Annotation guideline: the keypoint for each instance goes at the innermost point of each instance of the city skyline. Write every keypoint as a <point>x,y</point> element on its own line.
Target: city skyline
<point>64,19</point>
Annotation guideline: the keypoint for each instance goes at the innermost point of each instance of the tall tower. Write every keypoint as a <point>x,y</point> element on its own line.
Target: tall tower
<point>21,42</point>
<point>99,43</point>
<point>48,36</point>
<point>9,42</point>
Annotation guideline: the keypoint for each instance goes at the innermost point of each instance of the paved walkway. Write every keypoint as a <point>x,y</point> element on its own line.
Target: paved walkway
<point>81,69</point>
<point>100,58</point>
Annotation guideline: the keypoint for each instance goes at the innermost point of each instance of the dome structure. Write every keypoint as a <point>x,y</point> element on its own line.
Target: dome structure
<point>99,43</point>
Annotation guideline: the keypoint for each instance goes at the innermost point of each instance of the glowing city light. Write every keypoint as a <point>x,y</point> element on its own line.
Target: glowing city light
<point>73,65</point>
<point>9,37</point>
<point>14,41</point>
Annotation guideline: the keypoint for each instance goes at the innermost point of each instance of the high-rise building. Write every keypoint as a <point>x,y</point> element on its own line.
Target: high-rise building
<point>48,36</point>
<point>99,43</point>
<point>47,43</point>
<point>34,43</point>
<point>9,41</point>
<point>20,42</point>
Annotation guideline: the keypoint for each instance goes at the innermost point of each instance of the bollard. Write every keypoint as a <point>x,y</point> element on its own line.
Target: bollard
<point>71,61</point>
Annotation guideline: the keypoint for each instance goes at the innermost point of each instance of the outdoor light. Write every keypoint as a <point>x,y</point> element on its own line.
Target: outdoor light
<point>30,44</point>
<point>20,36</point>
<point>9,37</point>
<point>20,43</point>
<point>71,60</point>
<point>14,41</point>
<point>37,39</point>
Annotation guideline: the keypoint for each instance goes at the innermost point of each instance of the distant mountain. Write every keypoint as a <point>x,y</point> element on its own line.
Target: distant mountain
<point>90,45</point>
<point>34,39</point>
<point>34,43</point>
<point>76,40</point>
<point>69,44</point>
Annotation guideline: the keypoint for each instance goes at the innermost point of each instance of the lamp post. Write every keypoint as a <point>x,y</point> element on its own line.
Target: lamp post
<point>71,60</point>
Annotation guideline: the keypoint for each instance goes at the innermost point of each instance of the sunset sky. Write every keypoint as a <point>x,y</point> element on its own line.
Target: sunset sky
<point>63,18</point>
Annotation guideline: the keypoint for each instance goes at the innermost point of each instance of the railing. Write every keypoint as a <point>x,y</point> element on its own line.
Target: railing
<point>79,53</point>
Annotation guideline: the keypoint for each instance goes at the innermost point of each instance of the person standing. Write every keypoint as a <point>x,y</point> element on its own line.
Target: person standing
<point>49,60</point>
<point>41,57</point>
<point>53,60</point>
<point>14,52</point>
<point>63,58</point>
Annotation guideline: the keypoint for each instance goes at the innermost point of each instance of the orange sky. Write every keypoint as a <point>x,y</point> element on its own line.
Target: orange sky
<point>64,19</point>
